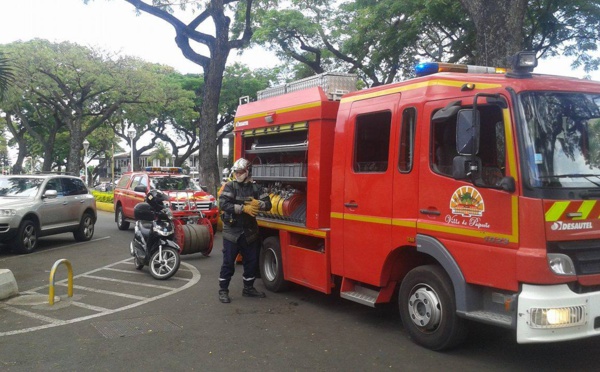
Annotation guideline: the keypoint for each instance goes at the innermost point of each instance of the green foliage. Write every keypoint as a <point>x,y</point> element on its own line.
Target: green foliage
<point>6,74</point>
<point>382,40</point>
<point>103,197</point>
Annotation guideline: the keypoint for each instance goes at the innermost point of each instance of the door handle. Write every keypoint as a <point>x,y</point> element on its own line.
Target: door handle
<point>431,212</point>
<point>350,205</point>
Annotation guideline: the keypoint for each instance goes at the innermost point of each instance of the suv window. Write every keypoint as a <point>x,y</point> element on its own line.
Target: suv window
<point>20,186</point>
<point>73,186</point>
<point>55,184</point>
<point>138,180</point>
<point>123,181</point>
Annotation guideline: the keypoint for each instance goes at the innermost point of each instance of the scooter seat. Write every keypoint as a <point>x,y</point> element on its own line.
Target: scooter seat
<point>145,228</point>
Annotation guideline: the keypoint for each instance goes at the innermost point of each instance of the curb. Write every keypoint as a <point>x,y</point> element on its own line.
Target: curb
<point>8,284</point>
<point>107,207</point>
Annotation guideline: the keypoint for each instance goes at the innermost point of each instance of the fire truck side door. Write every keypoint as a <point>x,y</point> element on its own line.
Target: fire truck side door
<point>476,224</point>
<point>369,166</point>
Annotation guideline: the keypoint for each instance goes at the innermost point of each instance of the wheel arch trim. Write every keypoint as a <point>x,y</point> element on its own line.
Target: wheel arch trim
<point>434,248</point>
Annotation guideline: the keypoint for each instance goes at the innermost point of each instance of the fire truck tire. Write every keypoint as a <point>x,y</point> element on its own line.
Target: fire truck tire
<point>428,309</point>
<point>120,219</point>
<point>271,266</point>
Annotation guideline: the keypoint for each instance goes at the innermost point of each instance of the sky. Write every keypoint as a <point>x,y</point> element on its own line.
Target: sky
<point>111,25</point>
<point>114,26</point>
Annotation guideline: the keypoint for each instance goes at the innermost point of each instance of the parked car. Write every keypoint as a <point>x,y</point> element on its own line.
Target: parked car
<point>104,186</point>
<point>184,194</point>
<point>32,206</point>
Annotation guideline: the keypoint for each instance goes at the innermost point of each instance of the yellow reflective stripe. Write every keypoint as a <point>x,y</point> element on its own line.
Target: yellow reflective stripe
<point>425,84</point>
<point>278,111</point>
<point>513,237</point>
<point>510,146</point>
<point>585,209</point>
<point>557,209</point>
<point>463,232</point>
<point>404,223</point>
<point>372,219</point>
<point>300,230</point>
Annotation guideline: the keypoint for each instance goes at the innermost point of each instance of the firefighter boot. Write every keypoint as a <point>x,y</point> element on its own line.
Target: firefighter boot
<point>224,296</point>
<point>250,291</point>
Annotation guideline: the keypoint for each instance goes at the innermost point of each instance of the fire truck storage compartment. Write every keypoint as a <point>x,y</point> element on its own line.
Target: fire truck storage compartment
<point>279,163</point>
<point>302,251</point>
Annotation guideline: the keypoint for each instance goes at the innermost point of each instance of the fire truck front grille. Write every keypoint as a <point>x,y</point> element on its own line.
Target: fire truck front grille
<point>585,254</point>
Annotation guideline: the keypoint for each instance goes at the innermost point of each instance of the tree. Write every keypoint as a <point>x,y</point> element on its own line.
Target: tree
<point>6,74</point>
<point>227,18</point>
<point>378,40</point>
<point>499,29</point>
<point>161,153</point>
<point>382,40</point>
<point>66,88</point>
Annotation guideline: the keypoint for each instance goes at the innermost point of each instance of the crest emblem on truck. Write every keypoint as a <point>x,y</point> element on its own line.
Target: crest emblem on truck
<point>467,202</point>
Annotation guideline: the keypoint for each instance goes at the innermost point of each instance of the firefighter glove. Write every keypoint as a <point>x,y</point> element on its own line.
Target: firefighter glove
<point>250,209</point>
<point>254,202</point>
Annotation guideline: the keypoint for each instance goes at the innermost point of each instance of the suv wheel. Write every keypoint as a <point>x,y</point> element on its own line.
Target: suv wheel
<point>85,231</point>
<point>26,240</point>
<point>120,219</point>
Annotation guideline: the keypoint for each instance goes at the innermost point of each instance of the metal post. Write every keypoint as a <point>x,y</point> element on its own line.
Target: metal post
<point>86,145</point>
<point>70,278</point>
<point>131,133</point>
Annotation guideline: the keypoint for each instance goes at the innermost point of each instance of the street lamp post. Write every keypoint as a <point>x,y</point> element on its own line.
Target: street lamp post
<point>86,146</point>
<point>131,132</point>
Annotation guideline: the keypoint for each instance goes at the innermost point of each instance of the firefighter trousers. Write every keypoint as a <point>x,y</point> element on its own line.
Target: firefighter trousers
<point>249,254</point>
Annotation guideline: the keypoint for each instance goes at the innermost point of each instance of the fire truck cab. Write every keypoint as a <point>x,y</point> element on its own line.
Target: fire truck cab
<point>463,196</point>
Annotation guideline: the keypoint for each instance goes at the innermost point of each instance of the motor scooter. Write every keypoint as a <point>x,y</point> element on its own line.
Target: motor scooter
<point>153,240</point>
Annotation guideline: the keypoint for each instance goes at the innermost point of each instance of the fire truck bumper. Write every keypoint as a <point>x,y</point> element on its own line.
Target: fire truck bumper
<point>555,313</point>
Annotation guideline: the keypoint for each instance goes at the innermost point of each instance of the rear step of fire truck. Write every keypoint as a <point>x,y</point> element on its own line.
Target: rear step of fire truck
<point>357,292</point>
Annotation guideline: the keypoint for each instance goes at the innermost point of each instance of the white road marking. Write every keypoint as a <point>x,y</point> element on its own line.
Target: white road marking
<point>52,322</point>
<point>33,315</point>
<point>123,281</point>
<point>102,291</point>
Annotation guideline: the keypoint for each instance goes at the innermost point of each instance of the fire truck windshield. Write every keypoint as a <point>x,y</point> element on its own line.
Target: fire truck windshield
<point>562,139</point>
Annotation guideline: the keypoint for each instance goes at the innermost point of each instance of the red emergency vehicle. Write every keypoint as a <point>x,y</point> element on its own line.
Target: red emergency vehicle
<point>466,194</point>
<point>195,212</point>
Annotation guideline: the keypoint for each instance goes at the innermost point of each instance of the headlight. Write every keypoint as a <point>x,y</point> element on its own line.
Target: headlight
<point>7,212</point>
<point>163,229</point>
<point>560,264</point>
<point>559,317</point>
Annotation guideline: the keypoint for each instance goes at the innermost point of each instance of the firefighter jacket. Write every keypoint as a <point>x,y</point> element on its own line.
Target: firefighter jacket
<point>231,201</point>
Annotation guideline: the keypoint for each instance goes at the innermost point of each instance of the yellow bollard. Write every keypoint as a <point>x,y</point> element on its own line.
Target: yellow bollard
<point>70,284</point>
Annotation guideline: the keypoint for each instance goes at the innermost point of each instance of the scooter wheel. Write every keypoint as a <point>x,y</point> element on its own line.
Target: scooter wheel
<point>138,264</point>
<point>164,263</point>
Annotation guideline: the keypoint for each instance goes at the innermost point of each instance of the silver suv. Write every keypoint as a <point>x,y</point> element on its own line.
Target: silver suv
<point>32,206</point>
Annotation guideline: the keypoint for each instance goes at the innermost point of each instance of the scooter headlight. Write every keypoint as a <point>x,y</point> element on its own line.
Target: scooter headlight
<point>163,229</point>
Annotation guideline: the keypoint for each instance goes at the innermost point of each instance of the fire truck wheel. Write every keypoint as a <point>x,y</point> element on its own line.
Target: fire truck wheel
<point>271,266</point>
<point>120,219</point>
<point>428,309</point>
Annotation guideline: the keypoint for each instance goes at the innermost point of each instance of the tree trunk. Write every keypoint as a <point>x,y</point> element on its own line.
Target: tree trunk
<point>207,157</point>
<point>499,26</point>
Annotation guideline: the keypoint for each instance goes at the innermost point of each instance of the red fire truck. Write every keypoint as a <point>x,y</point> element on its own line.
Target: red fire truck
<point>466,194</point>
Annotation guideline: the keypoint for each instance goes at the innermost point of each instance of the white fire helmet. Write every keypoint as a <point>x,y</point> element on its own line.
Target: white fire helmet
<point>241,169</point>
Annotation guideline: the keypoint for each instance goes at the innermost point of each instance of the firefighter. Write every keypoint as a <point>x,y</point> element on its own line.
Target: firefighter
<point>240,201</point>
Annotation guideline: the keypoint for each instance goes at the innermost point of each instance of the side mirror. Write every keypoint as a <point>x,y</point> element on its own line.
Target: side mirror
<point>467,132</point>
<point>507,184</point>
<point>463,167</point>
<point>50,194</point>
<point>140,188</point>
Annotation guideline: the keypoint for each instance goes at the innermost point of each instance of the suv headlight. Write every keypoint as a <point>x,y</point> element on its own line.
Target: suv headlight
<point>8,212</point>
